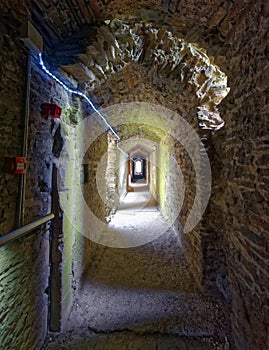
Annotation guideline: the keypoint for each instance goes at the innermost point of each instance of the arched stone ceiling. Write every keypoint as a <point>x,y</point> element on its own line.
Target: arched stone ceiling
<point>118,43</point>
<point>191,18</point>
<point>139,153</point>
<point>157,34</point>
<point>139,149</point>
<point>135,145</point>
<point>130,130</point>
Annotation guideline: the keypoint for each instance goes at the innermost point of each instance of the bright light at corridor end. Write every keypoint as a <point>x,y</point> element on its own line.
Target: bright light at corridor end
<point>174,127</point>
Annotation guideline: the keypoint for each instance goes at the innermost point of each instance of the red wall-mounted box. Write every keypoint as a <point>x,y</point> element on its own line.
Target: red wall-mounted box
<point>15,165</point>
<point>52,110</point>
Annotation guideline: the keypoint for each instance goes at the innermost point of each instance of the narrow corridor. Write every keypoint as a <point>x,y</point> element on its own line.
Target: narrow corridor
<point>141,297</point>
<point>134,203</point>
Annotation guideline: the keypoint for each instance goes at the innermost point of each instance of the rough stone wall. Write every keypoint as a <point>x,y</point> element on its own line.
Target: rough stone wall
<point>191,240</point>
<point>152,166</point>
<point>213,237</point>
<point>122,162</point>
<point>40,149</point>
<point>176,188</point>
<point>94,187</point>
<point>68,243</point>
<point>239,208</point>
<point>168,183</point>
<point>136,83</point>
<point>24,275</point>
<point>23,292</point>
<point>116,176</point>
<point>49,160</point>
<point>24,264</point>
<point>13,81</point>
<point>111,178</point>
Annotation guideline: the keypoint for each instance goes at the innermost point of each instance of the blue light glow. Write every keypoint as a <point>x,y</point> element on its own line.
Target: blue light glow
<point>78,93</point>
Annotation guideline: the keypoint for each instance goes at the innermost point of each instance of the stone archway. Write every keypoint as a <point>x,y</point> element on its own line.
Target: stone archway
<point>173,65</point>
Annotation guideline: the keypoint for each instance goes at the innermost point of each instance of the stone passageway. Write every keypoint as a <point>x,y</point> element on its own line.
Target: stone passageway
<point>98,96</point>
<point>142,297</point>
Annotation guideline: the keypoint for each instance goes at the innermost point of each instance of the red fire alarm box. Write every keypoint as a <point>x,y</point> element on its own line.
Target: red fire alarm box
<point>52,110</point>
<point>15,165</point>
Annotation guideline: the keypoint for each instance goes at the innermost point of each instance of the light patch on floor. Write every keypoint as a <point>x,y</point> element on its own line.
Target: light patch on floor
<point>136,222</point>
<point>142,297</point>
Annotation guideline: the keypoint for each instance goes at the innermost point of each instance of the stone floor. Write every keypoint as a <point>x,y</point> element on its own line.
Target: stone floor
<point>143,297</point>
<point>136,222</point>
<point>130,341</point>
<point>107,317</point>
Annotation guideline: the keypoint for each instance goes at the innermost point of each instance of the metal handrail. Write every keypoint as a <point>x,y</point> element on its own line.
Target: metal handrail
<point>22,231</point>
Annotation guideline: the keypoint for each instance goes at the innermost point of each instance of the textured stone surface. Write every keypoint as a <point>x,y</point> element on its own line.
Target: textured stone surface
<point>13,80</point>
<point>24,296</point>
<point>25,264</point>
<point>130,341</point>
<point>121,296</point>
<point>111,178</point>
<point>186,65</point>
<point>92,160</point>
<point>138,223</point>
<point>234,232</point>
<point>239,196</point>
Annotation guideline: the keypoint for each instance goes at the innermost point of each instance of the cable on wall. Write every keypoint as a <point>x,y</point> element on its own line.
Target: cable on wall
<point>78,93</point>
